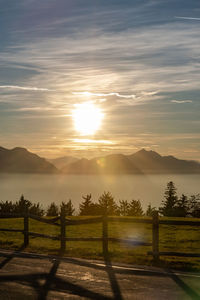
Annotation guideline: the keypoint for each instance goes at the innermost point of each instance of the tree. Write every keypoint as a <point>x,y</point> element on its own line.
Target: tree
<point>6,207</point>
<point>194,206</point>
<point>67,208</point>
<point>52,210</point>
<point>124,207</point>
<point>169,205</point>
<point>107,204</point>
<point>22,205</point>
<point>135,208</point>
<point>150,210</point>
<point>182,207</point>
<point>36,210</point>
<point>86,207</point>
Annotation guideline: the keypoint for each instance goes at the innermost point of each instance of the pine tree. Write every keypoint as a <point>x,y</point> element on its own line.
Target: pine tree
<point>22,205</point>
<point>194,206</point>
<point>124,207</point>
<point>107,204</point>
<point>67,208</point>
<point>169,205</point>
<point>135,208</point>
<point>52,210</point>
<point>182,208</point>
<point>86,207</point>
<point>150,210</point>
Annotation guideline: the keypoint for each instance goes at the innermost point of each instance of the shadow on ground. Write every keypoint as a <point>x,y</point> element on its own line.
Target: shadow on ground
<point>51,282</point>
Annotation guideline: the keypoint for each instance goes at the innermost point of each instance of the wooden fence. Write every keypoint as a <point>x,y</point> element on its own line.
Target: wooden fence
<point>62,222</point>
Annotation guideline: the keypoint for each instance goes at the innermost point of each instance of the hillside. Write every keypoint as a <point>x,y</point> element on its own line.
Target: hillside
<point>61,162</point>
<point>20,160</point>
<point>141,162</point>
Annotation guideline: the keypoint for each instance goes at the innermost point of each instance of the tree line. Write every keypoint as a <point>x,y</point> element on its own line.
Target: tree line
<point>172,206</point>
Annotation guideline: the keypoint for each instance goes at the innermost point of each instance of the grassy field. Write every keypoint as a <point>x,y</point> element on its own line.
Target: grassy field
<point>172,238</point>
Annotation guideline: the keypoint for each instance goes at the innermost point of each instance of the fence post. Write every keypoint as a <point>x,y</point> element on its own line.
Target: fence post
<point>62,230</point>
<point>105,235</point>
<point>26,228</point>
<point>155,236</point>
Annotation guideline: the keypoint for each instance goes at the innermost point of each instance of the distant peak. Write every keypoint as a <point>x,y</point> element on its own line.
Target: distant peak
<point>149,153</point>
<point>19,149</point>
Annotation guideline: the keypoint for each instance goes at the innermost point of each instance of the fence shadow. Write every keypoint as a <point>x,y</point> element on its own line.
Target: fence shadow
<point>10,256</point>
<point>53,282</point>
<point>186,288</point>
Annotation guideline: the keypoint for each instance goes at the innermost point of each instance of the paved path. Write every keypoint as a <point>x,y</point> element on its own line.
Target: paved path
<point>28,276</point>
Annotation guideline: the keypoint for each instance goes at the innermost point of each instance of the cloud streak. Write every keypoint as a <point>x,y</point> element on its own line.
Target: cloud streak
<point>188,18</point>
<point>181,101</point>
<point>104,95</point>
<point>24,88</point>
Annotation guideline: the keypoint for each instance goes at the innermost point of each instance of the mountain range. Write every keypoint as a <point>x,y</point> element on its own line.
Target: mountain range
<point>20,160</point>
<point>141,162</point>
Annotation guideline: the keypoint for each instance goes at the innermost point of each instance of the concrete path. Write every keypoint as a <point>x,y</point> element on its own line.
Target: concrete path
<point>29,276</point>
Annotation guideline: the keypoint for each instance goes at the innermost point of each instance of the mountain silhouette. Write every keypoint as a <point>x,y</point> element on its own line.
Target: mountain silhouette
<point>111,164</point>
<point>141,162</point>
<point>20,160</point>
<point>61,162</point>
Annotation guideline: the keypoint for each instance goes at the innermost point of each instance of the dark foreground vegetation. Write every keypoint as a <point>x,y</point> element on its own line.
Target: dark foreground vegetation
<point>171,206</point>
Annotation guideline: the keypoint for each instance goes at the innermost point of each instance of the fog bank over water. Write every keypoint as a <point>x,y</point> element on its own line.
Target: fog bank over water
<point>48,188</point>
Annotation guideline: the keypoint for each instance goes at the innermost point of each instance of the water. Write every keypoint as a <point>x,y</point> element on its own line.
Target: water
<point>48,188</point>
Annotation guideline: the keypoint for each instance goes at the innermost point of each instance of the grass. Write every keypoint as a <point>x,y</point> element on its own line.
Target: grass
<point>172,238</point>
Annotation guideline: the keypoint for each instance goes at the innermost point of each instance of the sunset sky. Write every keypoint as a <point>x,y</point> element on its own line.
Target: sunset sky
<point>136,62</point>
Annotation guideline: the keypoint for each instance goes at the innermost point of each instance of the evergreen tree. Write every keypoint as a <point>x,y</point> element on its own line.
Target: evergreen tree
<point>150,210</point>
<point>67,208</point>
<point>124,207</point>
<point>194,206</point>
<point>107,204</point>
<point>52,210</point>
<point>182,208</point>
<point>36,210</point>
<point>6,207</point>
<point>22,205</point>
<point>135,208</point>
<point>86,207</point>
<point>169,205</point>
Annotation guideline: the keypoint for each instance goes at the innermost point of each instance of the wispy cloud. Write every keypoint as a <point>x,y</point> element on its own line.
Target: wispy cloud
<point>24,88</point>
<point>181,101</point>
<point>104,95</point>
<point>188,18</point>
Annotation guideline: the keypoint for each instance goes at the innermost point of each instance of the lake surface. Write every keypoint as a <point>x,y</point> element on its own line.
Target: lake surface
<point>48,188</point>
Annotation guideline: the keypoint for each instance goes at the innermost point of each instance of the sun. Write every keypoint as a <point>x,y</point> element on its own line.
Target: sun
<point>87,118</point>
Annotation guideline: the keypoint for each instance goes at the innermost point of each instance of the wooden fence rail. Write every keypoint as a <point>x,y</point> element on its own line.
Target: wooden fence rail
<point>62,222</point>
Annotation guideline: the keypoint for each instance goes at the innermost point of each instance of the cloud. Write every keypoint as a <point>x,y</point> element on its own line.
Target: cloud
<point>104,95</point>
<point>188,18</point>
<point>24,88</point>
<point>181,101</point>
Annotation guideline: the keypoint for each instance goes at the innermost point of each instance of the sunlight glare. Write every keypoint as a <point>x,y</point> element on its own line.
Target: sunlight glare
<point>87,118</point>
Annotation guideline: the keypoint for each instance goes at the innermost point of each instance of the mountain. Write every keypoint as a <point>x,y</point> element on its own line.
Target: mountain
<point>61,162</point>
<point>141,162</point>
<point>150,162</point>
<point>20,160</point>
<point>111,164</point>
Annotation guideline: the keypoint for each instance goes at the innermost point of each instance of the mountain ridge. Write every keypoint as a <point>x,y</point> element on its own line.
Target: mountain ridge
<point>141,162</point>
<point>20,160</point>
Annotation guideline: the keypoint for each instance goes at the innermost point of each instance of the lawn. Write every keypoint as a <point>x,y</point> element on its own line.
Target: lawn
<point>172,238</point>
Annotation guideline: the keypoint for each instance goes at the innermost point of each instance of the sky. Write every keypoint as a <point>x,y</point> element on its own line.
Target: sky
<point>138,61</point>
